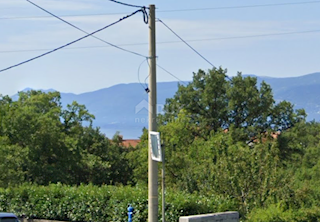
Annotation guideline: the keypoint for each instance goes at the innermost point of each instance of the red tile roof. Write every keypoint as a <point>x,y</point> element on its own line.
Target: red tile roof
<point>130,142</point>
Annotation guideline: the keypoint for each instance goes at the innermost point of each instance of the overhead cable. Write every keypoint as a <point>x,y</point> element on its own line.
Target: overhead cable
<point>172,75</point>
<point>85,31</point>
<point>173,42</point>
<point>126,4</point>
<point>145,87</point>
<point>240,6</point>
<point>172,10</point>
<point>65,15</point>
<point>186,43</point>
<point>143,9</point>
<point>70,43</point>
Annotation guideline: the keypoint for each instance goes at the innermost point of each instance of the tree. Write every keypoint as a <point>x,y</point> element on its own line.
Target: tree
<point>213,103</point>
<point>204,100</point>
<point>12,163</point>
<point>74,116</point>
<point>57,144</point>
<point>249,107</point>
<point>104,161</point>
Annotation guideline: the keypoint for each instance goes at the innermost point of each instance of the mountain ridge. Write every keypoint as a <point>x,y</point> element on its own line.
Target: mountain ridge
<point>124,107</point>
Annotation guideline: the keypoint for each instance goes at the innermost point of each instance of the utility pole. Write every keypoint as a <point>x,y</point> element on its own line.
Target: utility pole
<point>152,165</point>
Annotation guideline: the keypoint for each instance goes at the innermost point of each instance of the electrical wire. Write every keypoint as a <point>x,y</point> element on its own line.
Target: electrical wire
<point>180,81</point>
<point>186,43</point>
<point>260,35</point>
<point>138,54</point>
<point>143,8</point>
<point>65,15</point>
<point>121,3</point>
<point>190,48</point>
<point>241,6</point>
<point>173,10</point>
<point>172,75</point>
<point>70,43</point>
<point>173,42</point>
<point>144,87</point>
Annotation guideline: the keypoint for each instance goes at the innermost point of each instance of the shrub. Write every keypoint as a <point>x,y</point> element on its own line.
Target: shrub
<point>87,203</point>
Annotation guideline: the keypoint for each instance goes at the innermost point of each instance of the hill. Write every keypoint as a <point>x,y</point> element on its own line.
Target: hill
<point>124,107</point>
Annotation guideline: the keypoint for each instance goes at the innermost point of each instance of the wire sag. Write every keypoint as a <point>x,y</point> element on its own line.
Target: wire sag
<point>121,3</point>
<point>85,31</point>
<point>186,43</point>
<point>70,43</point>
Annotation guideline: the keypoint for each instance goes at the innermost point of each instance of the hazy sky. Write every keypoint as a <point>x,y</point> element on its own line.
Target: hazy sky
<point>224,34</point>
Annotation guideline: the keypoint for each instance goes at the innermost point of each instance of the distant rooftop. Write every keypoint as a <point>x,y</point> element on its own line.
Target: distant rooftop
<point>130,142</point>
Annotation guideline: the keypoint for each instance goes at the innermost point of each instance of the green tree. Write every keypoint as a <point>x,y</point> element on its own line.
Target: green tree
<point>104,161</point>
<point>58,145</point>
<point>74,116</point>
<point>213,103</point>
<point>204,100</point>
<point>138,160</point>
<point>250,108</point>
<point>12,163</point>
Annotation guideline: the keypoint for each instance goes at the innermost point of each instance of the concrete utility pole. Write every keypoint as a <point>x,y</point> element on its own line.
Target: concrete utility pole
<point>153,166</point>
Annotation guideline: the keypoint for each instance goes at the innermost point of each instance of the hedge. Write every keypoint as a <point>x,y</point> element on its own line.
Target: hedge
<point>88,203</point>
<point>276,213</point>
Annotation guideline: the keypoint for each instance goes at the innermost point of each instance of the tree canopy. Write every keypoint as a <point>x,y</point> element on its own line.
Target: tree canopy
<point>44,143</point>
<point>213,103</point>
<point>223,137</point>
<point>230,137</point>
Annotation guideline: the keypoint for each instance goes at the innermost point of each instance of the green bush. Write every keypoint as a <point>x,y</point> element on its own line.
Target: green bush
<point>184,204</point>
<point>276,213</point>
<point>87,203</point>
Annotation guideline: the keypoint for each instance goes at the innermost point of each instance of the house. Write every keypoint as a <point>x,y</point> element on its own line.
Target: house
<point>130,142</point>
<point>126,142</point>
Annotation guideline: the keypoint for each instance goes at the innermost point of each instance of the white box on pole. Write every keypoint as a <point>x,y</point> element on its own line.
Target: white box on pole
<point>155,145</point>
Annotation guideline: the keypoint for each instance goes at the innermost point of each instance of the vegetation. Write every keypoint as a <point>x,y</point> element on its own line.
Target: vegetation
<point>230,138</point>
<point>228,145</point>
<point>43,143</point>
<point>104,203</point>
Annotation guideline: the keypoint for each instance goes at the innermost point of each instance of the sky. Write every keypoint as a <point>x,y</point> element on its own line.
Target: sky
<point>276,38</point>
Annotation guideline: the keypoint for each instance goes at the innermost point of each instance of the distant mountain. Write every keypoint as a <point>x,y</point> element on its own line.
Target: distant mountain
<point>302,91</point>
<point>124,107</point>
<point>121,107</point>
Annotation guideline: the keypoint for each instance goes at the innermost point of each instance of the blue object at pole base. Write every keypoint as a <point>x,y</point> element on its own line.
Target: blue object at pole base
<point>130,213</point>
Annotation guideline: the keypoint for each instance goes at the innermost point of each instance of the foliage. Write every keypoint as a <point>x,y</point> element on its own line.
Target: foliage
<point>87,203</point>
<point>43,143</point>
<point>228,146</point>
<point>211,102</point>
<point>230,138</point>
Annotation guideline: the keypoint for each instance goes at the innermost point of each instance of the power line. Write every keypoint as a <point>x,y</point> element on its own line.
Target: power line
<point>180,79</point>
<point>193,49</point>
<point>45,16</point>
<point>174,42</point>
<point>85,31</point>
<point>146,86</point>
<point>70,43</point>
<point>256,36</point>
<point>121,3</point>
<point>172,74</point>
<point>143,9</point>
<point>241,6</point>
<point>171,10</point>
<point>186,43</point>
